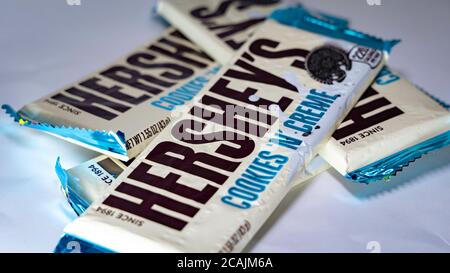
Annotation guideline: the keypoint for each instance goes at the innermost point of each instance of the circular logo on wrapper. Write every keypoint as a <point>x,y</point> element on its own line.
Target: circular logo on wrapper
<point>328,64</point>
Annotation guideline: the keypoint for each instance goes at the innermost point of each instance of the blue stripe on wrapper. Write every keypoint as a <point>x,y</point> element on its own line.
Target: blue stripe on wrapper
<point>299,17</point>
<point>389,166</point>
<point>101,141</point>
<point>78,203</point>
<point>330,18</point>
<point>385,168</point>
<point>71,244</point>
<point>333,19</point>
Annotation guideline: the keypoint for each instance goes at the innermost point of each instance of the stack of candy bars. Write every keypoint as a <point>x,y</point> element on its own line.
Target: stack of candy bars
<point>205,129</point>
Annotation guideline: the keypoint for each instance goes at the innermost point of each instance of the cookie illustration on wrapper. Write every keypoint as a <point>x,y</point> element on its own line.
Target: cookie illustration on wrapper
<point>327,64</point>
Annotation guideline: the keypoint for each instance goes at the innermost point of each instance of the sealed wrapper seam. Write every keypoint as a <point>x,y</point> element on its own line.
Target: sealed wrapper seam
<point>110,143</point>
<point>77,203</point>
<point>392,162</point>
<point>220,222</point>
<point>295,16</point>
<point>84,183</point>
<point>391,165</point>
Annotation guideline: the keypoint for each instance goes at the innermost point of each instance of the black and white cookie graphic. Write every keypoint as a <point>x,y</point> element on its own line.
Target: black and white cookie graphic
<point>328,64</point>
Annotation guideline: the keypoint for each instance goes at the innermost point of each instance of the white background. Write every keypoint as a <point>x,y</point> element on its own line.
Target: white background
<point>45,45</point>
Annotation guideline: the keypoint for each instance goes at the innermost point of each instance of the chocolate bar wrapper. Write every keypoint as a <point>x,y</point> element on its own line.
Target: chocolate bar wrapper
<point>358,158</point>
<point>210,181</point>
<point>393,124</point>
<point>85,170</point>
<point>221,27</point>
<point>118,110</point>
<point>85,183</point>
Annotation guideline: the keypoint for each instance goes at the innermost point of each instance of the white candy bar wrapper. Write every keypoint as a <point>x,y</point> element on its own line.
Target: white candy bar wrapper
<point>86,182</point>
<point>230,14</point>
<point>135,96</point>
<point>393,124</point>
<point>375,151</point>
<point>221,27</point>
<point>208,183</point>
<point>245,13</point>
<point>362,148</point>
